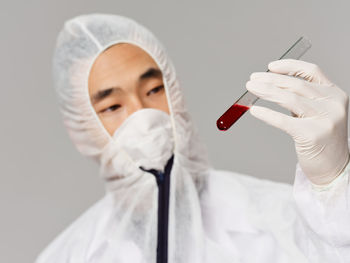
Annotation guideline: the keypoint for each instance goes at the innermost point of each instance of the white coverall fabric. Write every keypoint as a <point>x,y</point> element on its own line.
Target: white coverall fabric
<point>214,216</point>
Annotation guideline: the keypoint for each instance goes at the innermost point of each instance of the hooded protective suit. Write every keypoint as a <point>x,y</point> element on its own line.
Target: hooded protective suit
<point>164,203</point>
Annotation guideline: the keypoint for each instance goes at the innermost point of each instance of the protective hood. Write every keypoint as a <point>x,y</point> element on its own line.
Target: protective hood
<point>147,138</point>
<point>79,43</point>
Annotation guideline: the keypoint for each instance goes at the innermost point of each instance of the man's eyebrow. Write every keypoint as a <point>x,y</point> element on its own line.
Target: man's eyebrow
<point>101,94</point>
<point>151,73</point>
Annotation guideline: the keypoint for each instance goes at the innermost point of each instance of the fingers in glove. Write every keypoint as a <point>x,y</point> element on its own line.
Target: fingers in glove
<point>274,118</point>
<point>299,68</point>
<point>301,106</point>
<point>295,85</point>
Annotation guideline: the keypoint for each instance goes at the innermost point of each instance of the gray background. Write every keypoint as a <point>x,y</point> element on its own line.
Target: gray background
<point>45,184</point>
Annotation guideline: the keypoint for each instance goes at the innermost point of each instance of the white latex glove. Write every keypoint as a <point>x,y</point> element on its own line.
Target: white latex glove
<point>320,115</point>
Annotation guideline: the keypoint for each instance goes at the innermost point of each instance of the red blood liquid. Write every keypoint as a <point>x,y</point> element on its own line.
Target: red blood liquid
<point>231,116</point>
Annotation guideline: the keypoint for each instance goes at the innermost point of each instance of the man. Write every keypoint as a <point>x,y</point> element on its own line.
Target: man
<point>122,106</point>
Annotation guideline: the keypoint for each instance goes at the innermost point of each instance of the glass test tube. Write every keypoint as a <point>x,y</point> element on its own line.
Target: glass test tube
<point>296,51</point>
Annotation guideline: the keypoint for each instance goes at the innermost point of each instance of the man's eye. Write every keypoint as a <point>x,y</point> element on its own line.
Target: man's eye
<point>112,108</point>
<point>155,90</point>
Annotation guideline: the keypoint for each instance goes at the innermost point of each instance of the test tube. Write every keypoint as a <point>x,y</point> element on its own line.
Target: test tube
<point>296,51</point>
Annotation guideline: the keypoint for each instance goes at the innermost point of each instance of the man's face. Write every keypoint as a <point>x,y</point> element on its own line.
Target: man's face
<point>124,79</point>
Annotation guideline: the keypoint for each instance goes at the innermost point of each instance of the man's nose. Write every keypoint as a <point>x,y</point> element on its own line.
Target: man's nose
<point>135,105</point>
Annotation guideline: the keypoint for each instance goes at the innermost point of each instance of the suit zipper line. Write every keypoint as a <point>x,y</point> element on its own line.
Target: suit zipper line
<point>163,183</point>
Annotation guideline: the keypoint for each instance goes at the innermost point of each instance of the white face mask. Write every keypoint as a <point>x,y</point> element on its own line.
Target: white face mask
<point>145,139</point>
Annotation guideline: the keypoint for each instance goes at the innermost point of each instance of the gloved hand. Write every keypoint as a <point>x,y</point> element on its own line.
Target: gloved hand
<point>320,115</point>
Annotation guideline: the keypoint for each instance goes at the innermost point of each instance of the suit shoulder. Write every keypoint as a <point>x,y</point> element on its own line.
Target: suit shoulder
<point>72,242</point>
